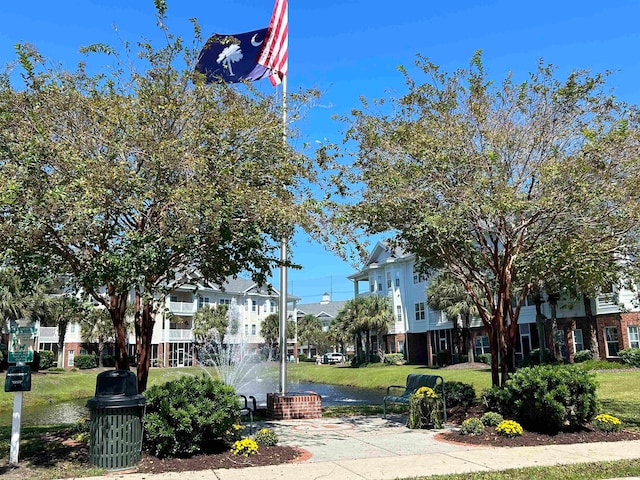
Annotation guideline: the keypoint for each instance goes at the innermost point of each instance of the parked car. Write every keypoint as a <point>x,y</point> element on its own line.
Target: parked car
<point>334,357</point>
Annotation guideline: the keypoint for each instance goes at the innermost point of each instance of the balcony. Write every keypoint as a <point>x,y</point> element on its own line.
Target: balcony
<point>48,335</point>
<point>180,335</point>
<point>183,308</point>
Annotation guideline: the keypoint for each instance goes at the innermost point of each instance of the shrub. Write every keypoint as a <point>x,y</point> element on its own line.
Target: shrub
<point>533,357</point>
<point>108,361</point>
<point>302,357</point>
<point>548,398</point>
<point>607,423</point>
<point>84,362</point>
<point>484,358</point>
<point>266,437</point>
<point>497,399</point>
<point>472,426</point>
<point>233,434</point>
<point>393,359</point>
<point>443,358</point>
<point>509,428</point>
<point>491,419</point>
<point>46,359</point>
<point>582,356</point>
<point>457,394</point>
<point>244,447</point>
<point>186,415</point>
<point>630,356</point>
<point>425,409</point>
<point>55,369</point>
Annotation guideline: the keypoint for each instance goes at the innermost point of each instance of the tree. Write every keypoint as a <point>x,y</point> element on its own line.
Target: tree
<point>13,303</point>
<point>309,331</point>
<point>211,318</point>
<point>127,179</point>
<point>59,310</point>
<point>377,317</point>
<point>96,327</point>
<point>506,186</point>
<point>270,331</point>
<point>447,294</point>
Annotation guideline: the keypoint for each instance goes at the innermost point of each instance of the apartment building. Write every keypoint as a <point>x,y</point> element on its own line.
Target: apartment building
<point>422,333</point>
<point>173,340</point>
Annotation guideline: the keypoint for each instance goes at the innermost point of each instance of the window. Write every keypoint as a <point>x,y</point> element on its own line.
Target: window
<point>420,313</point>
<point>372,286</point>
<point>254,305</point>
<point>578,341</point>
<point>482,345</point>
<point>442,340</point>
<point>224,301</point>
<point>273,306</point>
<point>398,282</point>
<point>634,340</point>
<point>389,283</point>
<point>71,358</point>
<point>253,329</point>
<point>611,338</point>
<point>72,328</point>
<point>399,313</point>
<point>203,301</point>
<point>246,329</point>
<point>419,277</point>
<point>379,284</point>
<point>173,298</point>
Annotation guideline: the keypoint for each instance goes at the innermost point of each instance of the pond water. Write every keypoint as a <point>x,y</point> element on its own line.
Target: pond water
<point>332,395</point>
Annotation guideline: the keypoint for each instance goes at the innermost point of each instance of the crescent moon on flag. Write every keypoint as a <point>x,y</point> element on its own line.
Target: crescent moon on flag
<point>254,43</point>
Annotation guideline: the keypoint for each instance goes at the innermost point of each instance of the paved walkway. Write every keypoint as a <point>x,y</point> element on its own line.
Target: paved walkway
<point>372,448</point>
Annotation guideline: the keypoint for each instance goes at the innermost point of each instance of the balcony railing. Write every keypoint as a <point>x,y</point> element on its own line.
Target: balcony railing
<point>180,335</point>
<point>183,307</point>
<point>48,335</point>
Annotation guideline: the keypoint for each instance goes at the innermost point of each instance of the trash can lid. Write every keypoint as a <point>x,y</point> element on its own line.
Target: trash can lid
<point>109,401</point>
<point>117,382</point>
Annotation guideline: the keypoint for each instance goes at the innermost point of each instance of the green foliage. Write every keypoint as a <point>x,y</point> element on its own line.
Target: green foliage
<point>186,415</point>
<point>484,358</point>
<point>583,356</point>
<point>497,399</point>
<point>491,419</point>
<point>266,437</point>
<point>46,359</point>
<point>443,358</point>
<point>84,362</point>
<point>630,356</point>
<point>458,394</point>
<point>108,361</point>
<point>607,423</point>
<point>472,426</point>
<point>393,359</point>
<point>533,357</point>
<point>425,410</point>
<point>302,357</point>
<point>549,398</point>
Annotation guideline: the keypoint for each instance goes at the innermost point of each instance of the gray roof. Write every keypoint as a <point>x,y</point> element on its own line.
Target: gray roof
<point>321,309</point>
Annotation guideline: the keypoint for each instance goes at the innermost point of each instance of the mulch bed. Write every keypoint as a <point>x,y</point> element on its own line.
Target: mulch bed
<point>583,435</point>
<point>266,456</point>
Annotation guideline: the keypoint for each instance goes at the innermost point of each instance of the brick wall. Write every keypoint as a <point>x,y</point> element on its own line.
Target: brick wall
<point>621,321</point>
<point>294,405</point>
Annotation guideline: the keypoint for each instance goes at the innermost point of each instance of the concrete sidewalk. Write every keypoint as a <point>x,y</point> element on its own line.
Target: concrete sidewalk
<point>373,448</point>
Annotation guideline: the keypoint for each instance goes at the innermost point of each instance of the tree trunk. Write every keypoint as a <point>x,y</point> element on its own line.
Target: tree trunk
<point>556,354</point>
<point>593,329</point>
<point>62,332</point>
<point>570,326</point>
<point>467,340</point>
<point>540,319</point>
<point>117,309</point>
<point>144,345</point>
<point>493,343</point>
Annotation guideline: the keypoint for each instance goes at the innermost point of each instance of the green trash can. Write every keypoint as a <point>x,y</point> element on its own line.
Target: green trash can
<point>116,421</point>
<point>325,359</point>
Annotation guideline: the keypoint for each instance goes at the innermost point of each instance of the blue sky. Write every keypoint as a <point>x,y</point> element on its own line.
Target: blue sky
<point>350,48</point>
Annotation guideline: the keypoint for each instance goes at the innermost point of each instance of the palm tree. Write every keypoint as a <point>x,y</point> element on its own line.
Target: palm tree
<point>447,294</point>
<point>309,329</point>
<point>377,316</point>
<point>12,301</point>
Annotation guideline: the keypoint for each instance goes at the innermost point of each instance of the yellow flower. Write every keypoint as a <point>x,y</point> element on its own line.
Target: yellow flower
<point>245,447</point>
<point>509,428</point>
<point>426,392</point>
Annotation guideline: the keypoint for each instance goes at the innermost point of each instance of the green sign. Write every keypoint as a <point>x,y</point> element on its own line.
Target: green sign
<point>21,344</point>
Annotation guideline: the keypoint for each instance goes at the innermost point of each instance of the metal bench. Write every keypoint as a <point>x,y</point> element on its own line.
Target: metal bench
<point>414,382</point>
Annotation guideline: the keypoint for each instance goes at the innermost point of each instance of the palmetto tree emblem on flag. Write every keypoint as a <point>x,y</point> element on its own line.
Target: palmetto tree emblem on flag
<point>231,54</point>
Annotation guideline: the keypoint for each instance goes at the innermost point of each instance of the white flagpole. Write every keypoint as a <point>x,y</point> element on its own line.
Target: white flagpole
<point>283,268</point>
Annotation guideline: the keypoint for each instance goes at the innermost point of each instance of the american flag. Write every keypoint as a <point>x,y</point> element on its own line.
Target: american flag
<point>275,55</point>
